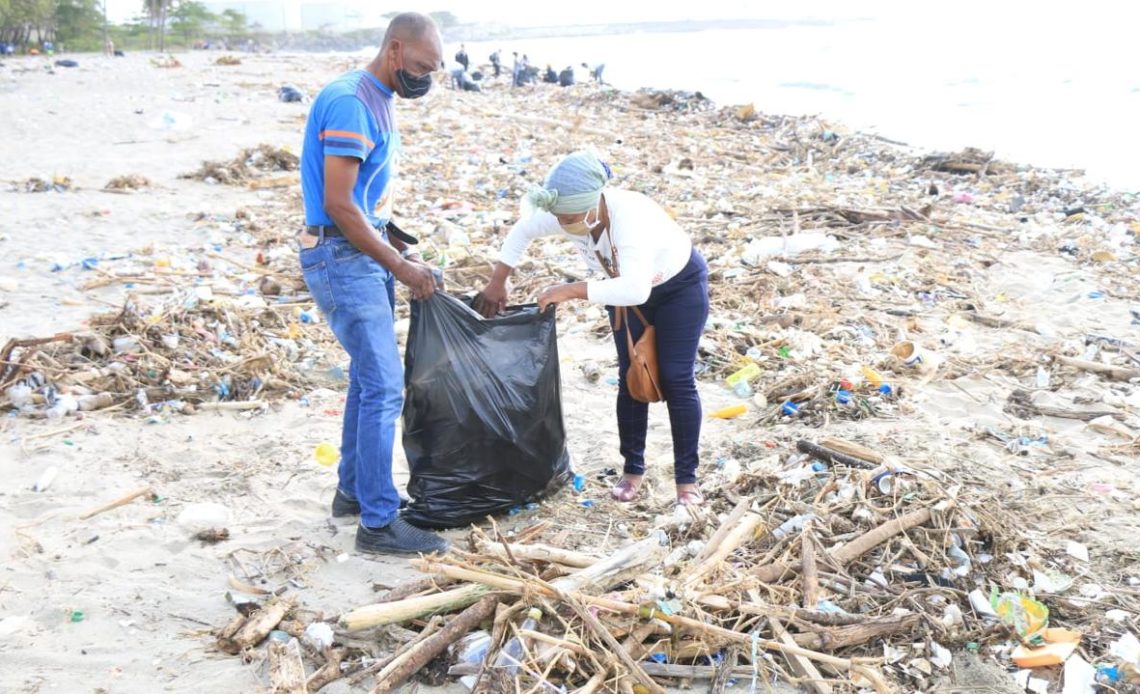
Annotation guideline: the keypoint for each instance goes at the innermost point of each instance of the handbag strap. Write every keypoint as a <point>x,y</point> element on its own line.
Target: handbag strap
<point>611,269</point>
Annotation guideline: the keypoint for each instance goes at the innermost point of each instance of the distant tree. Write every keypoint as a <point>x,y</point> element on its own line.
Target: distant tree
<point>157,12</point>
<point>78,22</point>
<point>234,23</point>
<point>444,19</point>
<point>191,19</point>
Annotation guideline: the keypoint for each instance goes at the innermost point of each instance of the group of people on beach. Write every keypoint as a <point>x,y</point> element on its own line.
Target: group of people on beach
<point>522,72</point>
<point>352,256</point>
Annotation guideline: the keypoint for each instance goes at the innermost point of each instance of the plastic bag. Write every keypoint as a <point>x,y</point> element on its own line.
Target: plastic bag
<point>483,428</point>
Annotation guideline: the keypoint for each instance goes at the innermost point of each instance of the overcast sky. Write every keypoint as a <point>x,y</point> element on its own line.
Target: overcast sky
<point>537,12</point>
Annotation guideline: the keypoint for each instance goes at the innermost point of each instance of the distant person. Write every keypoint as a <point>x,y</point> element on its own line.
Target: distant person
<point>566,77</point>
<point>496,62</point>
<point>109,48</point>
<point>516,70</point>
<point>49,48</point>
<point>351,258</point>
<point>461,57</point>
<point>550,76</point>
<point>596,71</point>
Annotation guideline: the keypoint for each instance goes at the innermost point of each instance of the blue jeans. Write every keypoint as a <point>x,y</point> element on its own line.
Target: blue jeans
<point>678,309</point>
<point>357,295</point>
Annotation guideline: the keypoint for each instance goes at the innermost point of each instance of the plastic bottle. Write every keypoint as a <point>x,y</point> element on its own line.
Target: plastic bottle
<point>743,375</point>
<point>512,654</point>
<point>872,376</point>
<point>742,389</point>
<point>790,409</point>
<point>730,412</point>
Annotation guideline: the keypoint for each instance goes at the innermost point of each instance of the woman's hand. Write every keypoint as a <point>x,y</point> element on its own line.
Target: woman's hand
<point>493,299</point>
<point>560,293</point>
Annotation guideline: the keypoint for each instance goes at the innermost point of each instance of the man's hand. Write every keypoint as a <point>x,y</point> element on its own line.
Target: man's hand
<point>493,299</point>
<point>418,278</point>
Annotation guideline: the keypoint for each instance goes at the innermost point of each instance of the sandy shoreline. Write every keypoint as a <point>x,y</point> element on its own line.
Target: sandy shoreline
<point>149,595</point>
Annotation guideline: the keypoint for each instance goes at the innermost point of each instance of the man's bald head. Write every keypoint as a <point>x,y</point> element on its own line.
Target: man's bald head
<point>411,27</point>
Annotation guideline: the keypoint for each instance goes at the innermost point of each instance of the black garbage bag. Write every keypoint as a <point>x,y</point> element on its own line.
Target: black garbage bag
<point>483,427</point>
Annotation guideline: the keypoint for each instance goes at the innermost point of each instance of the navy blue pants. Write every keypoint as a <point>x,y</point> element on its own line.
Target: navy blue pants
<point>678,309</point>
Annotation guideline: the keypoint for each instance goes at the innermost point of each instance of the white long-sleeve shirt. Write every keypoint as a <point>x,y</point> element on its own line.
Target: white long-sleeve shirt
<point>651,247</point>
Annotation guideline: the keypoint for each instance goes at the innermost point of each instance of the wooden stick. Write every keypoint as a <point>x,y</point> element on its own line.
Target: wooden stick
<point>426,650</point>
<point>729,543</point>
<point>412,586</point>
<point>515,585</point>
<point>1117,373</point>
<point>286,669</point>
<point>607,638</point>
<point>810,572</point>
<point>411,608</point>
<point>539,552</point>
<point>232,406</point>
<point>614,570</point>
<point>835,638</point>
<point>799,664</point>
<point>852,449</point>
<point>829,456</point>
<point>575,648</point>
<point>717,537</point>
<point>854,549</point>
<point>329,672</point>
<point>121,501</point>
<point>593,684</point>
<point>254,630</point>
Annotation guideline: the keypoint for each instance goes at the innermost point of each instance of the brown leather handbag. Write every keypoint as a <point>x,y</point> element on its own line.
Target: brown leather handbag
<point>642,378</point>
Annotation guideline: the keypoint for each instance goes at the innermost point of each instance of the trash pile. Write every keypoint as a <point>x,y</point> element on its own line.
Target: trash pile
<point>191,348</point>
<point>228,60</point>
<point>832,569</point>
<point>130,182</point>
<point>248,166</point>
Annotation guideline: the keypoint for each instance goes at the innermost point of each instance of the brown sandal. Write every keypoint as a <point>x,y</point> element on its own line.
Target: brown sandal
<point>625,491</point>
<point>690,498</point>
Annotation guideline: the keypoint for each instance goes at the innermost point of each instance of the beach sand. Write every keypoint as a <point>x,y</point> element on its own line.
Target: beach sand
<point>149,595</point>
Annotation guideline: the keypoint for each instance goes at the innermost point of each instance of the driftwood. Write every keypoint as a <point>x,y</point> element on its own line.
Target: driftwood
<point>828,455</point>
<point>834,638</point>
<point>852,449</point>
<point>1116,373</point>
<point>520,586</point>
<point>286,669</point>
<point>425,650</point>
<point>854,549</point>
<point>411,608</point>
<point>412,586</point>
<point>254,628</point>
<point>540,552</point>
<point>723,544</point>
<point>810,575</point>
<point>614,570</point>
<point>800,665</point>
<point>121,501</point>
<point>329,672</point>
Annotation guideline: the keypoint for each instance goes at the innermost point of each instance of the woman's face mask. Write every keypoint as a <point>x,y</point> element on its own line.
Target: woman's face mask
<point>584,226</point>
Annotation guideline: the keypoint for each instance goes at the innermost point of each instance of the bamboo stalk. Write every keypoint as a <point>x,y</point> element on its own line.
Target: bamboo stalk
<point>428,648</point>
<point>810,573</point>
<point>539,552</point>
<point>728,543</point>
<point>411,608</point>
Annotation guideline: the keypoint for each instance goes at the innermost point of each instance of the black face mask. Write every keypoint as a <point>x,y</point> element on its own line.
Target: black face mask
<point>410,87</point>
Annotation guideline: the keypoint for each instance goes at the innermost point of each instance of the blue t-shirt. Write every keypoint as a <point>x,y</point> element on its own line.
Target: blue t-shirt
<point>353,116</point>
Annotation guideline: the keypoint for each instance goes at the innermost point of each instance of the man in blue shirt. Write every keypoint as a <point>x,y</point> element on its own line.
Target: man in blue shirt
<point>351,256</point>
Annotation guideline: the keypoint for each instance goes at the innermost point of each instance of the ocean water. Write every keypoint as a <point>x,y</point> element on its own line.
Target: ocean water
<point>1057,87</point>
